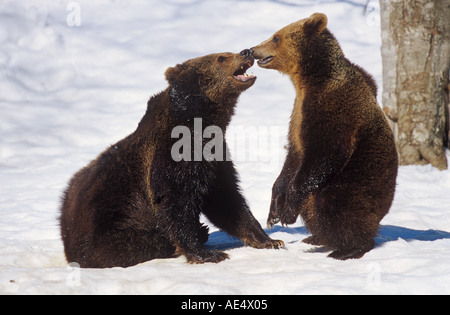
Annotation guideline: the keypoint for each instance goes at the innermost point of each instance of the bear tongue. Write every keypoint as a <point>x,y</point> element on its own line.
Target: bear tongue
<point>243,77</point>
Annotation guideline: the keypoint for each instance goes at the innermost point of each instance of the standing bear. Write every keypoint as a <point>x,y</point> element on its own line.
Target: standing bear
<point>138,201</point>
<point>341,168</point>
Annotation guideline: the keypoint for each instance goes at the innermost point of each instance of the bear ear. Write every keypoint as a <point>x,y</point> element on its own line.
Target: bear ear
<point>316,23</point>
<point>172,73</point>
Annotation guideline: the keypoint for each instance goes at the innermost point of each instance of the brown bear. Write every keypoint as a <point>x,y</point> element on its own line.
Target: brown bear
<point>341,168</point>
<point>137,201</point>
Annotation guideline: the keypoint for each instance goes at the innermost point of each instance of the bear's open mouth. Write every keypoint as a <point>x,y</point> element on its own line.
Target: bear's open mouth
<point>265,60</point>
<point>241,75</point>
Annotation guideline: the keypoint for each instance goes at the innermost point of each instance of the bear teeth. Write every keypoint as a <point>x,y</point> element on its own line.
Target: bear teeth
<point>241,75</point>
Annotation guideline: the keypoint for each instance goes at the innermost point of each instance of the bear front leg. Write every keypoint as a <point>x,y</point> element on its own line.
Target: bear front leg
<point>178,204</point>
<point>280,190</point>
<point>188,235</point>
<point>227,209</point>
<point>297,203</point>
<point>321,162</point>
<point>278,202</point>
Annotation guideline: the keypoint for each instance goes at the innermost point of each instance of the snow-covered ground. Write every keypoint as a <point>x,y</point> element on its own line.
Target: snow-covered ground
<point>75,77</point>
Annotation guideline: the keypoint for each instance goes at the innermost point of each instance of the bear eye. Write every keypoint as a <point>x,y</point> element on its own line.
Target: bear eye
<point>221,59</point>
<point>276,39</point>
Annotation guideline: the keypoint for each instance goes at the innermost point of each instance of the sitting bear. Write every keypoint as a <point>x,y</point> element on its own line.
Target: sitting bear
<point>137,202</point>
<point>341,167</point>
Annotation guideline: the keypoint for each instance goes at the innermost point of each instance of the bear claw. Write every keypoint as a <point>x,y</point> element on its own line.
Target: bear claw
<point>276,244</point>
<point>271,222</point>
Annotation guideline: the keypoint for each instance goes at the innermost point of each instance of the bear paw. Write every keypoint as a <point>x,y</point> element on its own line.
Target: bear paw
<point>348,254</point>
<point>275,244</point>
<point>312,240</point>
<point>268,244</point>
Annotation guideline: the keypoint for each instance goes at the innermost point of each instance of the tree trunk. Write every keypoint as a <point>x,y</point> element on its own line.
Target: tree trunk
<point>416,64</point>
<point>448,113</point>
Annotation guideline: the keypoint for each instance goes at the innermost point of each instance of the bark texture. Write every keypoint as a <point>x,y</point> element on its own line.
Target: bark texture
<point>416,62</point>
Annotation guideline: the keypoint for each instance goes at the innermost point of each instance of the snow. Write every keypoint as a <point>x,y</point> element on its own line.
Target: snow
<point>67,92</point>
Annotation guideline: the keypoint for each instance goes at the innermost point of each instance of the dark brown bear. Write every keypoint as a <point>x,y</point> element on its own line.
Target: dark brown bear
<point>135,203</point>
<point>341,167</point>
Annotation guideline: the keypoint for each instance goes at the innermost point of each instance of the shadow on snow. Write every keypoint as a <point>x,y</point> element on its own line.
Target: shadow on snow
<point>388,233</point>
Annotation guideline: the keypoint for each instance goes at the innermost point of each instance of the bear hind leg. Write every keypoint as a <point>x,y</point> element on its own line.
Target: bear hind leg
<point>126,248</point>
<point>348,239</point>
<point>345,226</point>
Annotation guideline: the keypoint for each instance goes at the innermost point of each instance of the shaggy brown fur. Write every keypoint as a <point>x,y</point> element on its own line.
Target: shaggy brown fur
<point>135,203</point>
<point>341,167</point>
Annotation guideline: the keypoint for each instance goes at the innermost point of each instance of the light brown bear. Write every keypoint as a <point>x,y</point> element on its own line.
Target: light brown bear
<point>341,168</point>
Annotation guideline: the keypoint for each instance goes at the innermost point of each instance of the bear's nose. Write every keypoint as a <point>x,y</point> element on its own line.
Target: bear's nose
<point>247,53</point>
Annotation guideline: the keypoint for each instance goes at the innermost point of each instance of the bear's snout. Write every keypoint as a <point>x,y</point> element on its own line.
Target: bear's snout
<point>247,53</point>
